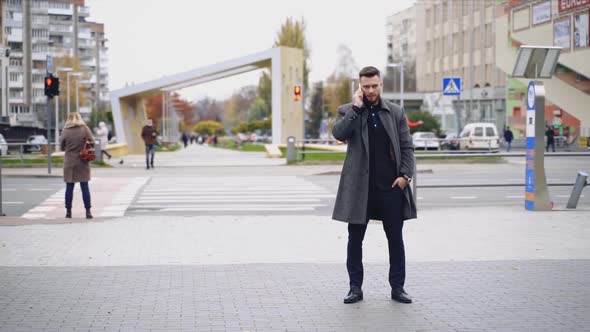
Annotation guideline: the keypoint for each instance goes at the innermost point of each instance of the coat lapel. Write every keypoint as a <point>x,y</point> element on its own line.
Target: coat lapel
<point>387,121</point>
<point>365,130</point>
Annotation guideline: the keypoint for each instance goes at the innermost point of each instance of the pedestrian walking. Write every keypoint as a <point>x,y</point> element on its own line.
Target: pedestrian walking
<point>150,138</point>
<point>76,170</point>
<point>102,132</point>
<point>378,167</point>
<point>185,139</point>
<point>508,137</point>
<point>550,139</point>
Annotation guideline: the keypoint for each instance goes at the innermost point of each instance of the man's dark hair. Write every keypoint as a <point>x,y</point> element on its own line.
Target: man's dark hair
<point>369,71</point>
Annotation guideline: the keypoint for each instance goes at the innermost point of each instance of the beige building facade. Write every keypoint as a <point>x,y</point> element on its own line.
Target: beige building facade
<point>457,39</point>
<point>563,23</point>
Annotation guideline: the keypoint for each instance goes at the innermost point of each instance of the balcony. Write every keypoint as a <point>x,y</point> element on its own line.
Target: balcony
<point>83,11</point>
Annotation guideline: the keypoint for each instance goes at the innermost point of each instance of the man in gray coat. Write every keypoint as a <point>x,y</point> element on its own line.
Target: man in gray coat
<point>378,167</point>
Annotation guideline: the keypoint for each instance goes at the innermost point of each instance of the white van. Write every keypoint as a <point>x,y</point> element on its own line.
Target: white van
<point>480,135</point>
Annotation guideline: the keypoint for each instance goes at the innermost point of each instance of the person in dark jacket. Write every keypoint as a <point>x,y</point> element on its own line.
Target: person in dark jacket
<point>150,138</point>
<point>185,139</point>
<point>375,179</point>
<point>508,137</point>
<point>75,170</point>
<point>550,139</point>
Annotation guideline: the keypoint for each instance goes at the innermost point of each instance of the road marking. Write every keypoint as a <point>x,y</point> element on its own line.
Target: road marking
<point>463,197</point>
<point>233,196</point>
<point>226,200</point>
<point>231,208</point>
<point>567,196</point>
<point>204,206</point>
<point>13,202</point>
<point>44,189</point>
<point>515,196</point>
<point>8,189</point>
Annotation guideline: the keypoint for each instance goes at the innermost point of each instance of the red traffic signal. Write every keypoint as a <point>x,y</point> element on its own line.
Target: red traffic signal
<point>297,93</point>
<point>51,86</point>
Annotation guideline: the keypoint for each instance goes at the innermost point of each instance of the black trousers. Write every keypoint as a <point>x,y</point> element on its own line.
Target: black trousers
<point>388,205</point>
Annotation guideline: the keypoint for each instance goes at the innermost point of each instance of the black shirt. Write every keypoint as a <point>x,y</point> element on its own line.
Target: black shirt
<point>382,168</point>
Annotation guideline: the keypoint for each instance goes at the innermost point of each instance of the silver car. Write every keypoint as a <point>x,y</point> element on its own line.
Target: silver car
<point>34,143</point>
<point>3,146</point>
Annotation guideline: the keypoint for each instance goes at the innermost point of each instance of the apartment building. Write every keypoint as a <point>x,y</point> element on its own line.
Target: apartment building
<point>457,39</point>
<point>71,34</point>
<point>27,38</point>
<point>563,23</point>
<point>400,31</point>
<point>34,29</point>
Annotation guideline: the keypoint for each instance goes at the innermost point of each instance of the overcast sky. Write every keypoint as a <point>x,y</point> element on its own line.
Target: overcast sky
<point>148,39</point>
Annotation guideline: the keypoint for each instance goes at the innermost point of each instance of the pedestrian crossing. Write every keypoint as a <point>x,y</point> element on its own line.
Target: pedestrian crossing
<point>111,197</point>
<point>230,195</point>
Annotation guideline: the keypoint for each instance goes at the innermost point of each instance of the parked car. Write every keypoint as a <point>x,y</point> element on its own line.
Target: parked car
<point>451,142</point>
<point>3,146</point>
<point>480,135</point>
<point>425,141</point>
<point>34,143</point>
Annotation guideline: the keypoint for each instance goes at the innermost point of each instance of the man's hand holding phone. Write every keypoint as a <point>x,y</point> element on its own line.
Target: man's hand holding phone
<point>357,98</point>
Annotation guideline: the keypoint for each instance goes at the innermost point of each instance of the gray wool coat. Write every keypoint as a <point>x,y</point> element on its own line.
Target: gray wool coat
<point>353,190</point>
<point>72,141</point>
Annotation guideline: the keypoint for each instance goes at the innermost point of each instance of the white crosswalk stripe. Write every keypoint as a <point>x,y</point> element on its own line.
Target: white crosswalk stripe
<point>230,195</point>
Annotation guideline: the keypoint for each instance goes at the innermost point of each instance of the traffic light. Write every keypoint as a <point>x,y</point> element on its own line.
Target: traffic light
<point>297,93</point>
<point>51,86</point>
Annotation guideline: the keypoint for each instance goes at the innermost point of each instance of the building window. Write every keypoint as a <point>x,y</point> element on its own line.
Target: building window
<point>16,62</point>
<point>477,37</point>
<point>428,17</point>
<point>489,35</point>
<point>436,13</point>
<point>457,42</point>
<point>445,11</point>
<point>14,77</point>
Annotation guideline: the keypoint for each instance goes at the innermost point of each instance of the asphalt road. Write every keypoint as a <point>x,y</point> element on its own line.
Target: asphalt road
<point>19,195</point>
<point>439,185</point>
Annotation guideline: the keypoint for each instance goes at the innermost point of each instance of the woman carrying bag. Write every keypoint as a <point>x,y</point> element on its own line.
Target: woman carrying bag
<point>74,140</point>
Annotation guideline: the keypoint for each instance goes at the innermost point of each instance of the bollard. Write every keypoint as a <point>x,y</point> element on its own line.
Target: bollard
<point>98,150</point>
<point>1,211</point>
<point>291,152</point>
<point>577,191</point>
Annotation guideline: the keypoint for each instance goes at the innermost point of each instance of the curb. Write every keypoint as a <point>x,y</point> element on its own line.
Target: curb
<point>423,171</point>
<point>18,221</point>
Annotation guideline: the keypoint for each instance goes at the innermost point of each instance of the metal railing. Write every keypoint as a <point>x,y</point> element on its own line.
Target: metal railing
<point>22,151</point>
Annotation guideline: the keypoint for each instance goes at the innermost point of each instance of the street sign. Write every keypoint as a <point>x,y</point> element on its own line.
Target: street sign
<point>452,86</point>
<point>49,64</point>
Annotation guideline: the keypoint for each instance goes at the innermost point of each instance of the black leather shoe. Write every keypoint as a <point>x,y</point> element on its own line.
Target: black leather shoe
<point>400,295</point>
<point>354,295</point>
<point>69,213</point>
<point>88,214</point>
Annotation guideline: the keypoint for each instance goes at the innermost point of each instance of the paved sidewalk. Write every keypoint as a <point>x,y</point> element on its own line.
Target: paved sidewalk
<point>449,296</point>
<point>468,270</point>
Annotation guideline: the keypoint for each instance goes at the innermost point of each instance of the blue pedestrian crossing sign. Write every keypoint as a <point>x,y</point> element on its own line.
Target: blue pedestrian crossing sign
<point>452,86</point>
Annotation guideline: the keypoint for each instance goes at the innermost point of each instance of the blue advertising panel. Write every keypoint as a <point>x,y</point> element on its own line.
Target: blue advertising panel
<point>530,149</point>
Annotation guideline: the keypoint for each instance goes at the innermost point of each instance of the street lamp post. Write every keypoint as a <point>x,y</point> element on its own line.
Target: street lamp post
<point>62,69</point>
<point>70,73</point>
<point>401,65</point>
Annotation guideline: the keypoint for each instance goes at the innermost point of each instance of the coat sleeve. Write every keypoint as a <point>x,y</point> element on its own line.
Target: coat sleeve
<point>344,127</point>
<point>408,164</point>
<point>62,143</point>
<point>89,133</point>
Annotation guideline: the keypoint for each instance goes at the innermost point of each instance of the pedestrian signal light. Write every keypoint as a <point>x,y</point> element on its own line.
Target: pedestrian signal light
<point>297,93</point>
<point>51,86</point>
